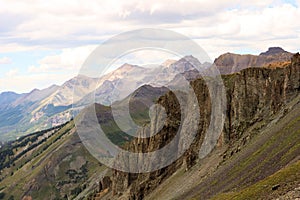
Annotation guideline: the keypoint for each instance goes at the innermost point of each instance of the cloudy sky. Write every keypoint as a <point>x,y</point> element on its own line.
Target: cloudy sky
<point>45,42</point>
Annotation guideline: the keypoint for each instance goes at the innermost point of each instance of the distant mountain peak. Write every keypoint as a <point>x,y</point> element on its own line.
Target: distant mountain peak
<point>274,51</point>
<point>34,90</point>
<point>81,76</point>
<point>189,58</point>
<point>8,93</point>
<point>148,87</point>
<point>128,66</point>
<point>168,62</point>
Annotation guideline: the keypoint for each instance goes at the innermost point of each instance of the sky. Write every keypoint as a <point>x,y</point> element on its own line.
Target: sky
<point>46,42</point>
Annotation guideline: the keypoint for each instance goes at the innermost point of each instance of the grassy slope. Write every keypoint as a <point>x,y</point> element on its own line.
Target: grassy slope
<point>287,179</point>
<point>47,167</point>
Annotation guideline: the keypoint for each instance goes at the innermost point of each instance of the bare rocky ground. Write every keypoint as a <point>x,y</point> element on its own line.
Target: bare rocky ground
<point>293,194</point>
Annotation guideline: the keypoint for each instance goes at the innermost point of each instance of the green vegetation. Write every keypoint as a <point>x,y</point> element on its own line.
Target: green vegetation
<point>9,153</point>
<point>57,166</point>
<point>285,179</point>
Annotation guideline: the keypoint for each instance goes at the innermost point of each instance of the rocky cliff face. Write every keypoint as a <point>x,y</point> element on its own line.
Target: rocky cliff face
<point>253,95</point>
<point>257,93</point>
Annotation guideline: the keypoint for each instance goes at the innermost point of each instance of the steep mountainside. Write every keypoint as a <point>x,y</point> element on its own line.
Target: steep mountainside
<point>52,164</point>
<point>260,137</point>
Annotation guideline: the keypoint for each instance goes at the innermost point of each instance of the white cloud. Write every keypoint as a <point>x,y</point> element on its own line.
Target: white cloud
<point>17,47</point>
<point>5,60</point>
<point>144,57</point>
<point>70,59</point>
<point>241,30</point>
<point>11,73</point>
<point>77,23</point>
<point>25,83</point>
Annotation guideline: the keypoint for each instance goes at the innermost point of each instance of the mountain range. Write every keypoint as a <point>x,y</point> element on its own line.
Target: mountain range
<point>41,109</point>
<point>257,155</point>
